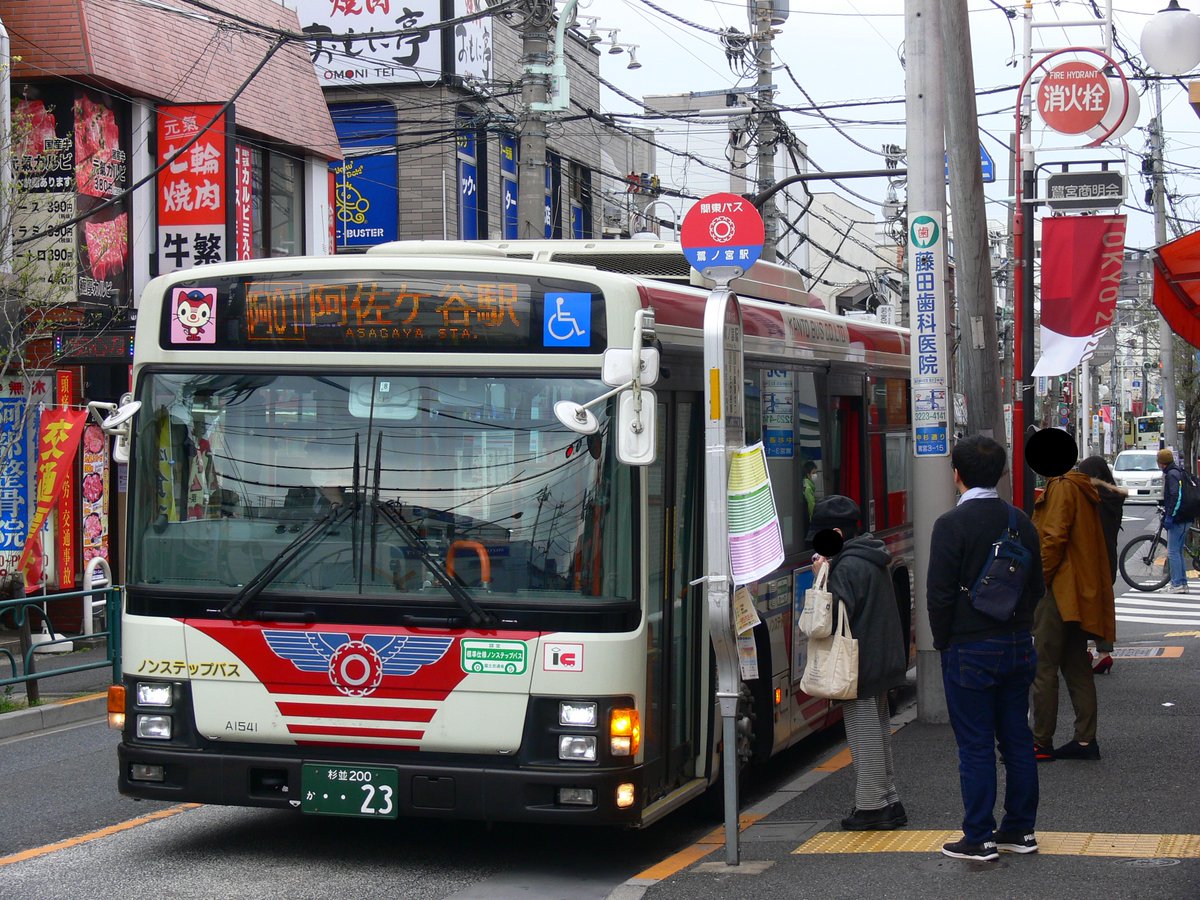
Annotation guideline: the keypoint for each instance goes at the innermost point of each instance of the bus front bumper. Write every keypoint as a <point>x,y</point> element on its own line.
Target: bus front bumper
<point>424,791</point>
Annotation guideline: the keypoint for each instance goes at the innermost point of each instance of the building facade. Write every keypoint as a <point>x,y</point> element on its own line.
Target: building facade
<point>145,138</point>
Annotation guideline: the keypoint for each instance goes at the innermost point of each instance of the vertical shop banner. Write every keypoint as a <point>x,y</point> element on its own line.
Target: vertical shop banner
<point>59,433</point>
<point>366,188</point>
<point>194,192</point>
<point>930,362</point>
<point>508,185</point>
<point>243,193</point>
<point>471,42</point>
<point>101,175</point>
<point>19,400</point>
<point>1082,260</point>
<point>95,483</point>
<point>468,184</point>
<point>412,57</point>
<point>66,395</point>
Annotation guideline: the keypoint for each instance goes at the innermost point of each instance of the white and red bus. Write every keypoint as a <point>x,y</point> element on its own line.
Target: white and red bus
<point>371,573</point>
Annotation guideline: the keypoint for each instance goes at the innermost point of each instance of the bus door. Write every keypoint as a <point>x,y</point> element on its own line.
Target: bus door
<point>675,556</point>
<point>845,437</point>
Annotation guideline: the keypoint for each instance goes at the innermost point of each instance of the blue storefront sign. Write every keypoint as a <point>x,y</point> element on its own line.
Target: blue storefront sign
<point>468,201</point>
<point>366,185</point>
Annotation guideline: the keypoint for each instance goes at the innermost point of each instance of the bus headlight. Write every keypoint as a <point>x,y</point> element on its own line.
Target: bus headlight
<point>578,713</point>
<point>577,747</point>
<point>153,693</point>
<point>154,727</point>
<point>625,732</point>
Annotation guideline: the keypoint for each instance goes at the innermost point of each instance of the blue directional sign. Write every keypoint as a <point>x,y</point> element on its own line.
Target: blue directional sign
<point>986,163</point>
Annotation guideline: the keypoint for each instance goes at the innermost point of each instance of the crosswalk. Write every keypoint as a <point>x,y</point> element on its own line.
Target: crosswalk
<point>1159,607</point>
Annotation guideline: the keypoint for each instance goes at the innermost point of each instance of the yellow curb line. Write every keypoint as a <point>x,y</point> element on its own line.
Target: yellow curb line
<point>47,849</point>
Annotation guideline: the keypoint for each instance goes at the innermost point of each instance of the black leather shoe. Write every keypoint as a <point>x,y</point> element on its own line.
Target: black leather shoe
<point>898,814</point>
<point>871,820</point>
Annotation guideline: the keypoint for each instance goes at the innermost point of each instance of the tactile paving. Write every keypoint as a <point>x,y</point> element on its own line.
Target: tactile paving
<point>1054,843</point>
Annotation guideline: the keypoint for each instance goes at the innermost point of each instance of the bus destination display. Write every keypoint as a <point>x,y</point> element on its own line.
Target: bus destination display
<point>384,311</point>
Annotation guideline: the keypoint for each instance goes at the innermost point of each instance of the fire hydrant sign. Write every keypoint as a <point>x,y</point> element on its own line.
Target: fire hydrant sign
<point>1073,97</point>
<point>722,230</point>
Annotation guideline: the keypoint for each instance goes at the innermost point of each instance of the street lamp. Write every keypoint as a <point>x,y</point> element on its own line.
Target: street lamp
<point>1171,40</point>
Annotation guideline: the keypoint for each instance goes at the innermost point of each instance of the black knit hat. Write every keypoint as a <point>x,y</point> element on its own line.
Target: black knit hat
<point>833,511</point>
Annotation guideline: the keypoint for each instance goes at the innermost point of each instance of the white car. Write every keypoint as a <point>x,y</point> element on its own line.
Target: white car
<point>1138,472</point>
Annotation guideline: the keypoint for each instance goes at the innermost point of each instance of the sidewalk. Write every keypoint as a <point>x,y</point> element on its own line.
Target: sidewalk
<point>1125,826</point>
<point>65,699</point>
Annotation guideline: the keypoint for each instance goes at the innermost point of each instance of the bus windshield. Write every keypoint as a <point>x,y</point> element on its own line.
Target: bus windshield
<point>467,476</point>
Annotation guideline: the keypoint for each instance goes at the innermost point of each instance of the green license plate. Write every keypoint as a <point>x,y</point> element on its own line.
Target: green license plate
<point>334,790</point>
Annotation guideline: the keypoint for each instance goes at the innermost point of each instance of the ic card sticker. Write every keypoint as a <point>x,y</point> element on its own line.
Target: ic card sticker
<point>562,657</point>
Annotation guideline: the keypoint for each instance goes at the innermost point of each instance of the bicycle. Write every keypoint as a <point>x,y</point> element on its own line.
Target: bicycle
<point>1143,560</point>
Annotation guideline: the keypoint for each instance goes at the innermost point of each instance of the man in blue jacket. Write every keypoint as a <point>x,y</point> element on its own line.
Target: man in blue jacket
<point>987,665</point>
<point>1176,524</point>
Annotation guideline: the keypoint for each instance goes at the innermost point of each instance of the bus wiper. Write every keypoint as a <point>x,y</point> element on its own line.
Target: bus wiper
<point>334,516</point>
<point>476,614</point>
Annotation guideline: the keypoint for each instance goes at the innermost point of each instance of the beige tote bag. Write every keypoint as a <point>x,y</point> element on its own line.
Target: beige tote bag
<point>832,667</point>
<point>816,619</point>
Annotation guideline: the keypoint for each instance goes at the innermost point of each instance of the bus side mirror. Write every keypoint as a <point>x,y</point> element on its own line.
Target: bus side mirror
<point>636,427</point>
<point>116,420</point>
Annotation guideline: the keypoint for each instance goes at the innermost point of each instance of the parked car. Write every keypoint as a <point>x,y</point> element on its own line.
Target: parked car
<point>1138,472</point>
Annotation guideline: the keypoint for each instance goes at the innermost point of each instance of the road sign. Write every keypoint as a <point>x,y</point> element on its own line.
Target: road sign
<point>1073,97</point>
<point>1085,190</point>
<point>722,231</point>
<point>986,164</point>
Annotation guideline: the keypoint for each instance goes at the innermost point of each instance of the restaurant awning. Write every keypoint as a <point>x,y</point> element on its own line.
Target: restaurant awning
<point>1177,285</point>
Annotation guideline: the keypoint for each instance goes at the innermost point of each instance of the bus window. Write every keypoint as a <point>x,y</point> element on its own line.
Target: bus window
<point>485,478</point>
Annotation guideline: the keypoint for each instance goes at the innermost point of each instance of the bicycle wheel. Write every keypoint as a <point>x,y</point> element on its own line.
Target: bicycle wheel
<point>1144,562</point>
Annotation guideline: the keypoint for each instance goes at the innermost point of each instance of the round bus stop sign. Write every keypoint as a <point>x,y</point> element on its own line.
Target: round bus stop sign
<point>722,230</point>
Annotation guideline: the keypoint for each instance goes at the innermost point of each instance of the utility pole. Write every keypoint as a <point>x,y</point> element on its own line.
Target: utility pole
<point>761,26</point>
<point>1166,338</point>
<point>933,485</point>
<point>972,253</point>
<point>531,169</point>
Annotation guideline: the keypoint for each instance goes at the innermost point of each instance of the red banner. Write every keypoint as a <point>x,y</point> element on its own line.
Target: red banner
<point>1082,260</point>
<point>58,439</point>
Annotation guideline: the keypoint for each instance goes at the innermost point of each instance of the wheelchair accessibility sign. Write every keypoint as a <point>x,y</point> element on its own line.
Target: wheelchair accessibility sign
<point>567,320</point>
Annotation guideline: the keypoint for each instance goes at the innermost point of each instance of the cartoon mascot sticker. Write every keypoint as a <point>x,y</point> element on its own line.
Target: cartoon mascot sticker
<point>194,316</point>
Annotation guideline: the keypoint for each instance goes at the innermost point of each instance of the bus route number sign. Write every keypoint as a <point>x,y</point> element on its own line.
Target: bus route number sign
<point>722,230</point>
<point>363,791</point>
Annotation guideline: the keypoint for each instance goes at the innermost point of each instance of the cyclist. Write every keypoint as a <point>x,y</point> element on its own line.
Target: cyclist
<point>1176,525</point>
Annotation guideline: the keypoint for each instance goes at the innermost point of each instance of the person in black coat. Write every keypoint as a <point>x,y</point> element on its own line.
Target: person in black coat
<point>987,665</point>
<point>859,577</point>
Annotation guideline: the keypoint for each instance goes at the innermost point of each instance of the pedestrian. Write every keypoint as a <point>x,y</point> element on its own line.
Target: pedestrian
<point>1112,511</point>
<point>987,665</point>
<point>859,576</point>
<point>1175,524</point>
<point>1079,597</point>
<point>808,471</point>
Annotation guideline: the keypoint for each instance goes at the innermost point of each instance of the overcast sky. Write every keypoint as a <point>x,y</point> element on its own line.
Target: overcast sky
<point>849,51</point>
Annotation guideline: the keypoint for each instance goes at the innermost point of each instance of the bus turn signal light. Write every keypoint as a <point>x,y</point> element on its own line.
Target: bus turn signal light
<point>116,707</point>
<point>625,732</point>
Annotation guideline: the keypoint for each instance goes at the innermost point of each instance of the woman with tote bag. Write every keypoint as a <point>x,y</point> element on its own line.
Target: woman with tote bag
<point>861,585</point>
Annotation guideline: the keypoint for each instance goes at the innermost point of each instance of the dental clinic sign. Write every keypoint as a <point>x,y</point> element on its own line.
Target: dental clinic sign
<point>930,382</point>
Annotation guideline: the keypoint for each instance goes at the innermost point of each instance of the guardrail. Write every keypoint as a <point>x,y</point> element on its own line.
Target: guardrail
<point>21,606</point>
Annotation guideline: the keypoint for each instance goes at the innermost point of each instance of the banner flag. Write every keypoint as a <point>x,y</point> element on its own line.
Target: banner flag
<point>1082,259</point>
<point>58,439</point>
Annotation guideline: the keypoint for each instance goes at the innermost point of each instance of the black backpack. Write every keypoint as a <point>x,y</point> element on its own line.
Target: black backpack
<point>1189,499</point>
<point>1001,582</point>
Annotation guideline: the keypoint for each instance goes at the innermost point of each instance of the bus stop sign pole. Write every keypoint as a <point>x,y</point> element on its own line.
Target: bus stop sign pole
<point>722,236</point>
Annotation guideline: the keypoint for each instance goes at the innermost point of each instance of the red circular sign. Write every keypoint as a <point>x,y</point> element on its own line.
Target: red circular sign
<point>722,230</point>
<point>1073,97</point>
